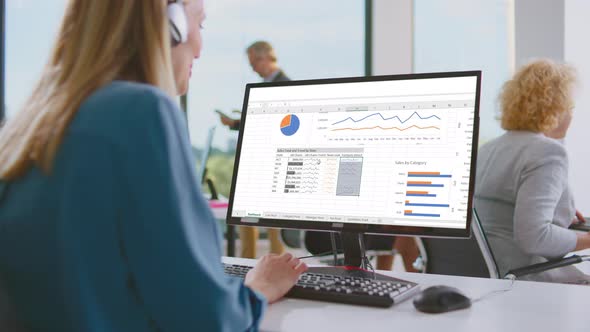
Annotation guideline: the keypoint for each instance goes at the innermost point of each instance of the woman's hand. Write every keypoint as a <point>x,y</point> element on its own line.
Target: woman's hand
<point>579,218</point>
<point>583,241</point>
<point>274,275</point>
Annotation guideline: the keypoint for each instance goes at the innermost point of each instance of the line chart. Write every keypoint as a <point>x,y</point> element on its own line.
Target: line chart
<point>388,128</point>
<point>389,118</point>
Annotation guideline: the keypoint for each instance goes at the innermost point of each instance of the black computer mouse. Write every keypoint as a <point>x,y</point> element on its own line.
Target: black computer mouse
<point>438,299</point>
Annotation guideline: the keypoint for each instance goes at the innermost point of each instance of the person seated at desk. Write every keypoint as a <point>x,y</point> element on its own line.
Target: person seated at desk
<point>102,223</point>
<point>522,193</point>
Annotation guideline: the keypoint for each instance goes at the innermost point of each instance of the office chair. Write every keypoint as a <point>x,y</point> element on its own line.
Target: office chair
<point>470,257</point>
<point>9,320</point>
<point>473,257</point>
<point>292,238</point>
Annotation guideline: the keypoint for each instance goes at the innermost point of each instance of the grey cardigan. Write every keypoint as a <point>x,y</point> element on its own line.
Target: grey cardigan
<point>525,204</point>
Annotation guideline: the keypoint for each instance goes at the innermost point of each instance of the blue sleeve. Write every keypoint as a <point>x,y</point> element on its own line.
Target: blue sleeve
<point>171,238</point>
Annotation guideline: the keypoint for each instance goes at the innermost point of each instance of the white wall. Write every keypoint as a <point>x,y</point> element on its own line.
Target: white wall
<point>392,37</point>
<point>539,30</point>
<point>577,52</point>
<point>557,29</point>
<point>455,35</point>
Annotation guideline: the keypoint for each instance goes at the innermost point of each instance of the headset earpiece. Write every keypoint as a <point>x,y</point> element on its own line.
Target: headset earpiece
<point>178,23</point>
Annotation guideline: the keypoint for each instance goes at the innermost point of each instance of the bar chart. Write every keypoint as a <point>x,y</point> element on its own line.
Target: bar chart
<point>426,194</point>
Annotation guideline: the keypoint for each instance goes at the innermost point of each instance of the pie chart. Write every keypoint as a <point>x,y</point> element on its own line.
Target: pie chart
<point>290,125</point>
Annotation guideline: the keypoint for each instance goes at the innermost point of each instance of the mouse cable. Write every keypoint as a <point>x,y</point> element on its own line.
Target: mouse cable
<point>496,292</point>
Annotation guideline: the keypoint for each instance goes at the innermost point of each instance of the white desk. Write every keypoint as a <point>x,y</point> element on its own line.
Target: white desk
<point>584,266</point>
<point>529,306</point>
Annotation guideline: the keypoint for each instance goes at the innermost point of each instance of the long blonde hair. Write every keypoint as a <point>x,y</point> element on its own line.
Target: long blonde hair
<point>98,41</point>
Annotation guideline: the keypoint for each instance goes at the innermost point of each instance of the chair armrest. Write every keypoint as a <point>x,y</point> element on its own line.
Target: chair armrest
<point>541,267</point>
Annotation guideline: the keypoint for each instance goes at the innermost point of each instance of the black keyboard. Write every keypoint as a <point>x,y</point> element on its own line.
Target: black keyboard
<point>584,227</point>
<point>343,285</point>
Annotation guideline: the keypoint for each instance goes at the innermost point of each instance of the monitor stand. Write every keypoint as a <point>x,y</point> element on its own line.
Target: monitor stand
<point>354,249</point>
<point>355,260</point>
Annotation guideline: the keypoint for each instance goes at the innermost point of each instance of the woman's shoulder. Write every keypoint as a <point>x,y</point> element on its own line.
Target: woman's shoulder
<point>540,144</point>
<point>124,94</point>
<point>528,149</point>
<point>532,143</point>
<point>538,149</point>
<point>120,107</point>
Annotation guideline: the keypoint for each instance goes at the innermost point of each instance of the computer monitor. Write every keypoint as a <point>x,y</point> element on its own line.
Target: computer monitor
<point>390,155</point>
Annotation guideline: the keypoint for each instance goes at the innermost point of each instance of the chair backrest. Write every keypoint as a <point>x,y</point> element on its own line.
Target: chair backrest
<point>470,257</point>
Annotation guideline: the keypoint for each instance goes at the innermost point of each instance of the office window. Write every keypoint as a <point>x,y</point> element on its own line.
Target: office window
<point>31,27</point>
<point>467,35</point>
<point>312,40</point>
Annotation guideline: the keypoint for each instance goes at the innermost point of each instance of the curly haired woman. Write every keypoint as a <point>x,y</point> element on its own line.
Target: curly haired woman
<point>522,193</point>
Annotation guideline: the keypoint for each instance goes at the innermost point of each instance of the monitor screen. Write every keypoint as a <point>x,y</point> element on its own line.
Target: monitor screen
<point>383,155</point>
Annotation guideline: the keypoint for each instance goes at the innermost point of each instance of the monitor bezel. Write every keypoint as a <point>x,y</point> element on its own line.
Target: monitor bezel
<point>377,229</point>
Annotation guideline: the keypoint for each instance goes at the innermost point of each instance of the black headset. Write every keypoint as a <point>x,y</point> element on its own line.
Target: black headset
<point>178,22</point>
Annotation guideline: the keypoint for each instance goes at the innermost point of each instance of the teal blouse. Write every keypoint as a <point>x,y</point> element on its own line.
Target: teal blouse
<point>119,237</point>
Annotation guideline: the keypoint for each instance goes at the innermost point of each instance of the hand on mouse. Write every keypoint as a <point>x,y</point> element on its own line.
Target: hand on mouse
<point>274,275</point>
<point>579,218</point>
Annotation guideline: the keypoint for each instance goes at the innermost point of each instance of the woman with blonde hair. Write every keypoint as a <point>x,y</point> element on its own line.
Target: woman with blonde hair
<point>102,223</point>
<point>522,193</point>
